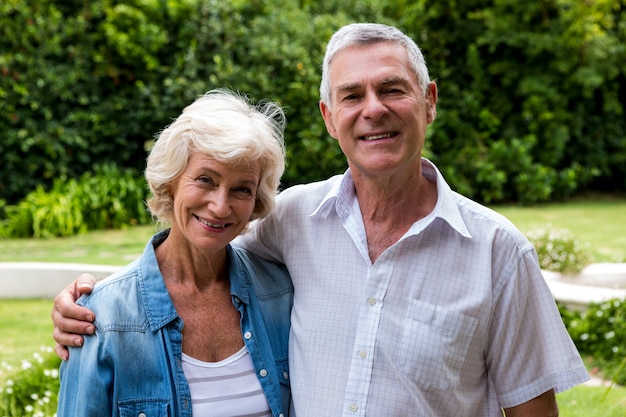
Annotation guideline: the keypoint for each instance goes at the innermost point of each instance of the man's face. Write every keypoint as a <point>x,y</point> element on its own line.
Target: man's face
<point>378,114</point>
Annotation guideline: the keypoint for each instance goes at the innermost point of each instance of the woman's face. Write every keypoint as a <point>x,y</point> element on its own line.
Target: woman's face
<point>213,202</point>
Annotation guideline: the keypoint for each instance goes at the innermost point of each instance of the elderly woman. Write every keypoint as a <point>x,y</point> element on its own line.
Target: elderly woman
<point>195,325</point>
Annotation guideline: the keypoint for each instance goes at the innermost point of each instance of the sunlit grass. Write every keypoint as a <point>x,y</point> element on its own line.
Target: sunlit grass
<point>589,401</point>
<point>25,327</point>
<point>599,222</point>
<point>104,247</point>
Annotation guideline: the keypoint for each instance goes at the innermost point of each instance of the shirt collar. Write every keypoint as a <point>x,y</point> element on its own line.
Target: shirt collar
<point>342,194</point>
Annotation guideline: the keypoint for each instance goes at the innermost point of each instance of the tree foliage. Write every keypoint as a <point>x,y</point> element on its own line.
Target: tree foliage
<point>531,94</point>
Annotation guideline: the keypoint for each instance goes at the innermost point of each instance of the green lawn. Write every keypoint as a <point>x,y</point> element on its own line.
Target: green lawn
<point>599,222</point>
<point>105,247</point>
<point>26,326</point>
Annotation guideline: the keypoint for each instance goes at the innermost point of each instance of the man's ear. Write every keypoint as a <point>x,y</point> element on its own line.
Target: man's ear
<point>328,119</point>
<point>432,97</point>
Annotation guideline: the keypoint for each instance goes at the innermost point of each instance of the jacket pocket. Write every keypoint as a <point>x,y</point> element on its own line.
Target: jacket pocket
<point>145,407</point>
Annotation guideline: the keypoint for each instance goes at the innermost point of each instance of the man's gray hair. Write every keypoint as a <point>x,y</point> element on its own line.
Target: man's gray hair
<point>367,34</point>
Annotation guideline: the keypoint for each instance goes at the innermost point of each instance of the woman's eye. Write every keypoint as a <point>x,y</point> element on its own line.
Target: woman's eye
<point>243,190</point>
<point>206,180</point>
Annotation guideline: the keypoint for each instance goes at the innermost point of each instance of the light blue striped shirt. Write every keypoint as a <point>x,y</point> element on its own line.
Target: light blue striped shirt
<point>454,319</point>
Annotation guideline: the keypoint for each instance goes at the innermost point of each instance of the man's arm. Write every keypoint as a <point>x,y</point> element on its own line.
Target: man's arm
<point>541,406</point>
<point>71,321</point>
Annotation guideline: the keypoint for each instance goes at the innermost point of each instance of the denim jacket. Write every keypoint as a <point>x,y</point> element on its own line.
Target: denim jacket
<point>132,365</point>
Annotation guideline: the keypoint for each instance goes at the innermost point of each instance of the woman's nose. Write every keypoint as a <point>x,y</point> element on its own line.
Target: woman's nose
<point>219,203</point>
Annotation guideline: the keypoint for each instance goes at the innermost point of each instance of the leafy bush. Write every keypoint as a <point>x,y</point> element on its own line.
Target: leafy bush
<point>600,333</point>
<point>108,198</point>
<point>33,389</point>
<point>559,251</point>
<point>86,82</point>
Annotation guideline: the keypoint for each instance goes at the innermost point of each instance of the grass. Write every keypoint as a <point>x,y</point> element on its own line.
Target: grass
<point>105,247</point>
<point>25,327</point>
<point>588,401</point>
<point>598,221</point>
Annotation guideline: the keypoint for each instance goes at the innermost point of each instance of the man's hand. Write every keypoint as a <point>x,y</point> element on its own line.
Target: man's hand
<point>71,321</point>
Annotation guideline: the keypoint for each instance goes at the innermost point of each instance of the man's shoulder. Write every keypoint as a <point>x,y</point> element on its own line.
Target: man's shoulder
<point>315,189</point>
<point>481,219</point>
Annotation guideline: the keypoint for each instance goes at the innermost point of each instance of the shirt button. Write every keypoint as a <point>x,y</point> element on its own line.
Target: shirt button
<point>247,335</point>
<point>263,372</point>
<point>354,407</point>
<point>371,301</point>
<point>362,354</point>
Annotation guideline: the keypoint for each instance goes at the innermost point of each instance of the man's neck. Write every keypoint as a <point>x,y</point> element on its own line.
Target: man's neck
<point>390,208</point>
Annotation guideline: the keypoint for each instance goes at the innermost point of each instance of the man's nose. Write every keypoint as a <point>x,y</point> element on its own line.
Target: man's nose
<point>373,107</point>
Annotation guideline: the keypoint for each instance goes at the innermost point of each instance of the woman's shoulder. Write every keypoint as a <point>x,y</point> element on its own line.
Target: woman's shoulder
<point>107,292</point>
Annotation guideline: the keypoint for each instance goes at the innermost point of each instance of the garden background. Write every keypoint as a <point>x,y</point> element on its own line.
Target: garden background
<point>531,107</point>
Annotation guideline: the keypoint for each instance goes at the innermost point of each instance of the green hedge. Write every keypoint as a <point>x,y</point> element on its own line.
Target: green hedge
<point>531,94</point>
<point>109,198</point>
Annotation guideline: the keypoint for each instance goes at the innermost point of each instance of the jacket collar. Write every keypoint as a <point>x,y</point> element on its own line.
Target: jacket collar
<point>155,297</point>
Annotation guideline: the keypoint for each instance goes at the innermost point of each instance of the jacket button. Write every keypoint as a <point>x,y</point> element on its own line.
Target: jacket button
<point>263,372</point>
<point>141,414</point>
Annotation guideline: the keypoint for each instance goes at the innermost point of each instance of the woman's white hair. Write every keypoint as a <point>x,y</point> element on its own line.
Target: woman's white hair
<point>229,128</point>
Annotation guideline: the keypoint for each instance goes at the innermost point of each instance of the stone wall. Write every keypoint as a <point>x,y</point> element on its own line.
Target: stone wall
<point>43,279</point>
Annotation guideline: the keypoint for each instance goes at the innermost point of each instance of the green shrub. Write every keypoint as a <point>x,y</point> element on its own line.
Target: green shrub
<point>559,251</point>
<point>107,198</point>
<point>600,333</point>
<point>33,389</point>
<point>91,82</point>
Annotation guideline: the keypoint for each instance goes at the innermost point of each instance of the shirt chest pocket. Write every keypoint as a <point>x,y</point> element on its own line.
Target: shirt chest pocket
<point>149,407</point>
<point>435,345</point>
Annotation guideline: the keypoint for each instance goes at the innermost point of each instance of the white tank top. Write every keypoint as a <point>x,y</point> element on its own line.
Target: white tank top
<point>226,388</point>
